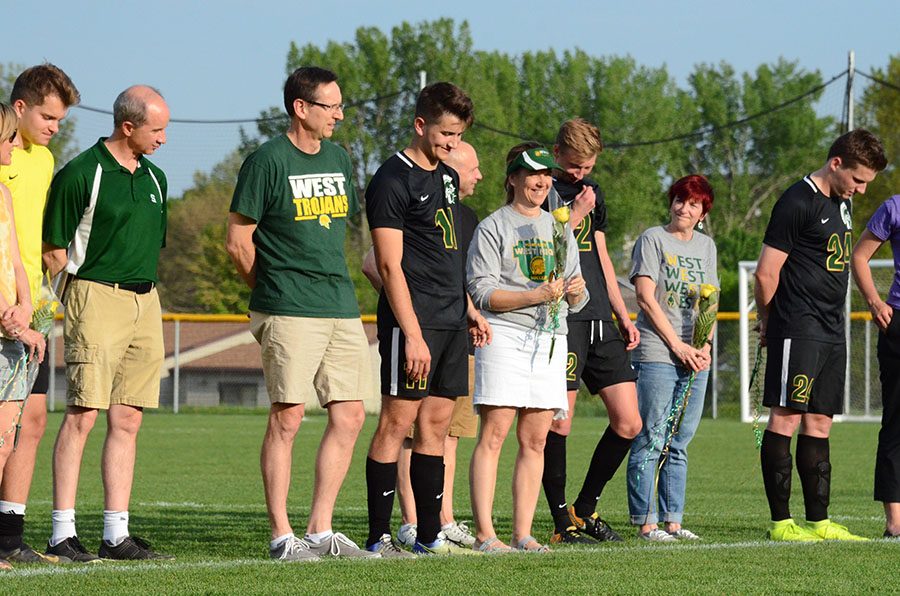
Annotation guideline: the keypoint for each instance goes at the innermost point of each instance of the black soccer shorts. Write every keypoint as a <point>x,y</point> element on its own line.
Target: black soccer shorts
<point>597,356</point>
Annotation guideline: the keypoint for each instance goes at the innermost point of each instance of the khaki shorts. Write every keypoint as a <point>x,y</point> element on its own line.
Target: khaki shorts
<point>113,346</point>
<point>306,356</point>
<point>463,421</point>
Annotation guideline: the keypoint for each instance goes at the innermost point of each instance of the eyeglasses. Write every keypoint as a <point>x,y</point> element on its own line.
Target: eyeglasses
<point>335,107</point>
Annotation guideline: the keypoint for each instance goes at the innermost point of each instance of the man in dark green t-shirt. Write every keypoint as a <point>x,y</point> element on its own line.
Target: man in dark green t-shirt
<point>286,237</point>
<point>104,226</point>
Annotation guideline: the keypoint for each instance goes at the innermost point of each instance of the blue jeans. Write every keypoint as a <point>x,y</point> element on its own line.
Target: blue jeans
<point>659,386</point>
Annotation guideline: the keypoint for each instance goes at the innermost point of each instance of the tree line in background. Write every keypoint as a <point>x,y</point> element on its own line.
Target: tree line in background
<point>751,134</point>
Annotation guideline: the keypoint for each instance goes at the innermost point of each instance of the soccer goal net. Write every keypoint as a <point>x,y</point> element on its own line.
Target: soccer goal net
<point>862,388</point>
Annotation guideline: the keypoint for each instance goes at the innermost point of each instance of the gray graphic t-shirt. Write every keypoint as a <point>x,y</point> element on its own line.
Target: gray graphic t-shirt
<point>677,268</point>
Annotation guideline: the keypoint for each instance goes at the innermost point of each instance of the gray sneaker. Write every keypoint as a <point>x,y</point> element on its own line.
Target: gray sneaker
<point>338,545</point>
<point>293,550</point>
<point>458,533</point>
<point>389,549</point>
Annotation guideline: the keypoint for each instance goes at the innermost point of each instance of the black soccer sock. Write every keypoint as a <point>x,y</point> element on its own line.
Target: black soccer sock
<point>775,457</point>
<point>608,456</point>
<point>12,526</point>
<point>426,475</point>
<point>381,483</point>
<point>814,469</point>
<point>554,479</point>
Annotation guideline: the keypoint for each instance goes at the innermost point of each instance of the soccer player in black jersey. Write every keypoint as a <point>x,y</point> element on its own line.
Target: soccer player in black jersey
<point>801,284</point>
<point>598,350</point>
<point>412,204</point>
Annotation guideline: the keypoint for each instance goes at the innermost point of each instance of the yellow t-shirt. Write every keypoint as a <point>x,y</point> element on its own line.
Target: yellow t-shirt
<point>28,178</point>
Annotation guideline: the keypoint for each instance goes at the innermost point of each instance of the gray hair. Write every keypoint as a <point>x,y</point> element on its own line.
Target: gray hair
<point>131,106</point>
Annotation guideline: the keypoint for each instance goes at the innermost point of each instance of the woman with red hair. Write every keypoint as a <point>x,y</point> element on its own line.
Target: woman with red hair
<point>670,263</point>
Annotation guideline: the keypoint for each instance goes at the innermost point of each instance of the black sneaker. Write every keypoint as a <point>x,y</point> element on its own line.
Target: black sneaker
<point>594,526</point>
<point>130,549</point>
<point>571,535</point>
<point>26,554</point>
<point>70,550</point>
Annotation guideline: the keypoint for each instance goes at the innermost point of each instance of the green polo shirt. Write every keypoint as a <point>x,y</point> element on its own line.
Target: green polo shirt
<point>113,222</point>
<point>300,203</point>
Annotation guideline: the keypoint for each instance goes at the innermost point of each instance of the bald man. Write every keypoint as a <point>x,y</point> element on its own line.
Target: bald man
<point>463,422</point>
<point>113,328</point>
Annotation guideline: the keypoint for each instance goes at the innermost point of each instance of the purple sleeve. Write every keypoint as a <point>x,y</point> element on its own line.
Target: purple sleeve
<point>884,221</point>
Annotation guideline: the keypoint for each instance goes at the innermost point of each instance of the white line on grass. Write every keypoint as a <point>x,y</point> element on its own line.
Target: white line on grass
<point>45,570</point>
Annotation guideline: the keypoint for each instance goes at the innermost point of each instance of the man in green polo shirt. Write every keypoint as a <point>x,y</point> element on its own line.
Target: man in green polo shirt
<point>286,237</point>
<point>104,226</point>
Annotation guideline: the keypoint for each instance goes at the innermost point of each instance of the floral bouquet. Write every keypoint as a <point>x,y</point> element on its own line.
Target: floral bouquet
<point>707,310</point>
<point>560,254</point>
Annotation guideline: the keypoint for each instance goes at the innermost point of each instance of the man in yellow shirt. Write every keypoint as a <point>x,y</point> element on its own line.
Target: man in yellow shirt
<point>41,97</point>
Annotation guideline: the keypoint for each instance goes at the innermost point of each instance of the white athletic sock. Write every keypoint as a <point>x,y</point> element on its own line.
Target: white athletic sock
<point>319,537</point>
<point>115,527</point>
<point>63,525</point>
<point>280,540</point>
<point>448,526</point>
<point>10,507</point>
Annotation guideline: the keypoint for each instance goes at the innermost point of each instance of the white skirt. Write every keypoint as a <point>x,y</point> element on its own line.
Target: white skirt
<point>515,370</point>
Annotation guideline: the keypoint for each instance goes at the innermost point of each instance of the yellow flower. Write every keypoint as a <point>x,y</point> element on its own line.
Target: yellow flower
<point>707,290</point>
<point>561,214</point>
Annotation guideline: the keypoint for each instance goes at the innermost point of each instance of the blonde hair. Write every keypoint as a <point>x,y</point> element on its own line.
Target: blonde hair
<point>580,137</point>
<point>9,121</point>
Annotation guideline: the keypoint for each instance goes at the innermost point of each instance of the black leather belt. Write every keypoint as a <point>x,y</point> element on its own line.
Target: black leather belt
<point>141,288</point>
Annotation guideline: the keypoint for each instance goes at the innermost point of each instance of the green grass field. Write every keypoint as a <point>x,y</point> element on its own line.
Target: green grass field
<point>198,495</point>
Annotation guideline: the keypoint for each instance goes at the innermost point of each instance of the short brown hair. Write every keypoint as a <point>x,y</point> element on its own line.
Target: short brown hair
<point>510,157</point>
<point>579,136</point>
<point>859,147</point>
<point>37,83</point>
<point>438,99</point>
<point>303,84</point>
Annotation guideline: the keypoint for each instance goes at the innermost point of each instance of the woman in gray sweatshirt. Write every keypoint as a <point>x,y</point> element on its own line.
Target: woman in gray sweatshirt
<point>510,271</point>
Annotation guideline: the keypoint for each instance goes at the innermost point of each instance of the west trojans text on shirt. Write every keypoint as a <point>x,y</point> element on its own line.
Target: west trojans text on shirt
<point>317,195</point>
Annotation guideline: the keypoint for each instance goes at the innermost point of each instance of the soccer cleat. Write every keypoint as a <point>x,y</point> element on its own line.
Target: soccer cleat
<point>828,530</point>
<point>338,545</point>
<point>684,534</point>
<point>787,531</point>
<point>594,526</point>
<point>70,550</point>
<point>406,535</point>
<point>657,535</point>
<point>131,548</point>
<point>442,547</point>
<point>458,533</point>
<point>26,554</point>
<point>294,550</point>
<point>571,535</point>
<point>4,565</point>
<point>388,548</point>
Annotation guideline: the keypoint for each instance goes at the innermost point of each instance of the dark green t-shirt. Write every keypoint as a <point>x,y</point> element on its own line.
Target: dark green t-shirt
<point>300,204</point>
<point>112,221</point>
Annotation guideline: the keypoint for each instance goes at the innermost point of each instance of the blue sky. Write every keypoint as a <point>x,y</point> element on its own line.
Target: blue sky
<point>226,59</point>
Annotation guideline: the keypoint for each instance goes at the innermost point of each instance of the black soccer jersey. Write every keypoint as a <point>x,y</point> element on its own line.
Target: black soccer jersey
<point>814,230</point>
<point>598,308</point>
<point>425,206</point>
